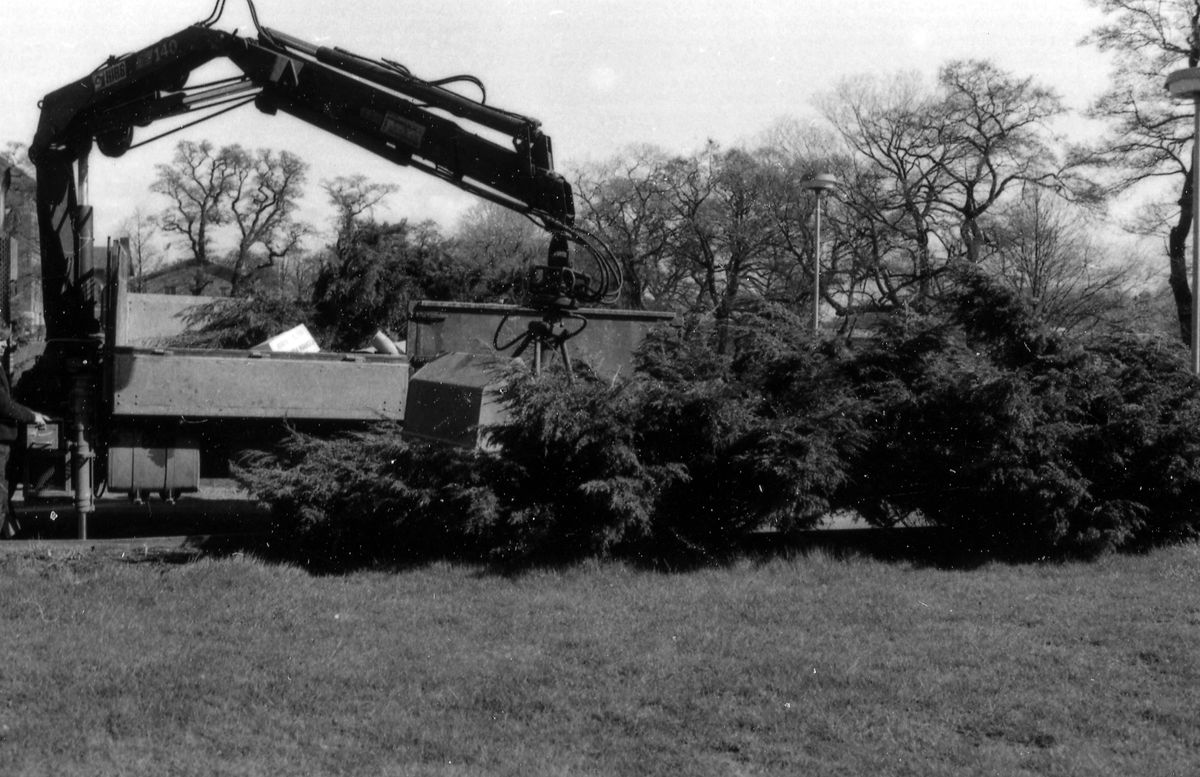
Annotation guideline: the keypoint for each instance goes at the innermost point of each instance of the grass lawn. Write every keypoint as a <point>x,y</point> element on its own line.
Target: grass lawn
<point>138,665</point>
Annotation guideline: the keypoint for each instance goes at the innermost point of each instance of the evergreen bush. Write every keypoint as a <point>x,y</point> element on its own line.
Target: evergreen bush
<point>682,458</point>
<point>767,434</point>
<point>988,424</point>
<point>978,420</point>
<point>371,495</point>
<point>570,470</point>
<point>240,322</point>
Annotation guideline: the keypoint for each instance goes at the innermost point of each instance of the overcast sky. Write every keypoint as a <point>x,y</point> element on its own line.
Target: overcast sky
<point>599,74</point>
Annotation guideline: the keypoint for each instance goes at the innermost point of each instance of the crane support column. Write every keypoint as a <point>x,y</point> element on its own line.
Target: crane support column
<point>81,450</point>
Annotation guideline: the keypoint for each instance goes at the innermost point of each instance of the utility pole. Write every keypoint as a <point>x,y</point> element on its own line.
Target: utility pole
<point>819,184</point>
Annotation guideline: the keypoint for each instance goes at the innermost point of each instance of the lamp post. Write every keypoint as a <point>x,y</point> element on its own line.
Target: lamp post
<point>819,184</point>
<point>1186,84</point>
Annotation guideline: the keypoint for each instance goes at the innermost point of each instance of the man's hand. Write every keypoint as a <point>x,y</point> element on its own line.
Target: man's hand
<point>40,420</point>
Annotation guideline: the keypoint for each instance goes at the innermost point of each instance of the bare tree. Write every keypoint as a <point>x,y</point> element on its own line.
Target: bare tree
<point>891,127</point>
<point>792,154</point>
<point>197,182</point>
<point>253,194</point>
<point>1150,135</point>
<point>1042,248</point>
<point>719,229</point>
<point>624,201</point>
<point>297,272</point>
<point>744,228</point>
<point>995,127</point>
<point>264,188</point>
<point>141,228</point>
<point>493,236</point>
<point>931,162</point>
<point>354,196</point>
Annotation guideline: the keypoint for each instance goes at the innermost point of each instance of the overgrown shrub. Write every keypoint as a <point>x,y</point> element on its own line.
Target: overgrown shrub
<point>568,482</point>
<point>1141,449</point>
<point>682,458</point>
<point>376,270</point>
<point>240,322</point>
<point>364,286</point>
<point>768,435</point>
<point>978,420</point>
<point>988,424</point>
<point>570,470</point>
<point>366,282</point>
<point>370,495</point>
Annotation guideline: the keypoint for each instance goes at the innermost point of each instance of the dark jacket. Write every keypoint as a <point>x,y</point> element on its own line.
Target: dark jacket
<point>11,411</point>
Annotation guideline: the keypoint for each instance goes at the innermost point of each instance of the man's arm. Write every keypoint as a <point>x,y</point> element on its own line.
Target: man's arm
<point>10,408</point>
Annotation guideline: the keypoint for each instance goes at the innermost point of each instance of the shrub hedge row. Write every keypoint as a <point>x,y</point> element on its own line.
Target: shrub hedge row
<point>975,419</point>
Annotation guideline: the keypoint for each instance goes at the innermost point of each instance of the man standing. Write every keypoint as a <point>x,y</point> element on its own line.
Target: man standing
<point>11,414</point>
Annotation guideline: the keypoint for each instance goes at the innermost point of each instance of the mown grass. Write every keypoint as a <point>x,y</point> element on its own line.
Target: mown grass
<point>808,665</point>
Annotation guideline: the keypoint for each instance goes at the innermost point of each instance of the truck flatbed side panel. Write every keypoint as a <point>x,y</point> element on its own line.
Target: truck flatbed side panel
<point>241,384</point>
<point>154,319</point>
<point>607,344</point>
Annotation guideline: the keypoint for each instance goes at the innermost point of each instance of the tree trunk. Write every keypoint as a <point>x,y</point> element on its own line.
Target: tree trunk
<point>1177,256</point>
<point>632,289</point>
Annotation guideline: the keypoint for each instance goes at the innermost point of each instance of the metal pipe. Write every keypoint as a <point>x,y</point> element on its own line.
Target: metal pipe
<point>1195,323</point>
<point>81,479</point>
<point>81,451</point>
<point>817,272</point>
<point>819,184</point>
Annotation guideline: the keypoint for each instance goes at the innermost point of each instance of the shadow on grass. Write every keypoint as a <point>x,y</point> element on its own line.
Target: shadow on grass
<point>198,528</point>
<point>929,547</point>
<point>922,547</point>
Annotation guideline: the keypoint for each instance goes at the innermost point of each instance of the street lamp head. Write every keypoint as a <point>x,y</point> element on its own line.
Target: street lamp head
<point>821,182</point>
<point>1185,83</point>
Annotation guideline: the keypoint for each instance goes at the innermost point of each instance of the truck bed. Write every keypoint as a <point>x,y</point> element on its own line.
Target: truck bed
<point>199,383</point>
<point>147,378</point>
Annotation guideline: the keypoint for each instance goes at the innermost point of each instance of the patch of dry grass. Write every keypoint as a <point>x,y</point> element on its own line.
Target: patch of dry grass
<point>812,665</point>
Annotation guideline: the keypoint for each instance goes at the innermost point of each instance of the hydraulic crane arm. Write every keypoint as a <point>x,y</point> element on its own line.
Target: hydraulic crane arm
<point>376,104</point>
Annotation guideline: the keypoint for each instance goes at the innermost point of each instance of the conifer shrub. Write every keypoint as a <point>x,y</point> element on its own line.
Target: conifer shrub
<point>977,420</point>
<point>1141,447</point>
<point>363,286</point>
<point>240,322</point>
<point>570,471</point>
<point>1023,441</point>
<point>565,482</point>
<point>682,458</point>
<point>767,434</point>
<point>370,495</point>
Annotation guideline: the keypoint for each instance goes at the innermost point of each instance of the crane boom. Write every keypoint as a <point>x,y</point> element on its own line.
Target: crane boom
<point>376,104</point>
